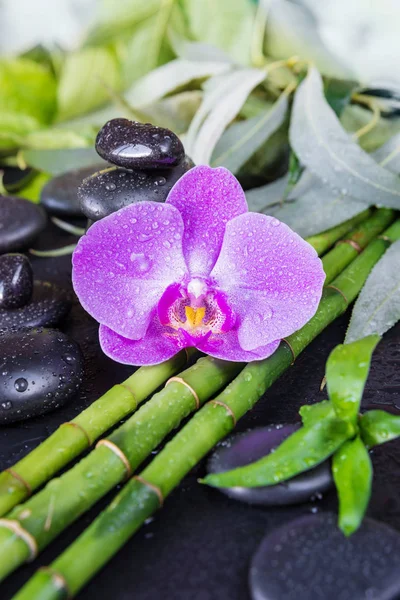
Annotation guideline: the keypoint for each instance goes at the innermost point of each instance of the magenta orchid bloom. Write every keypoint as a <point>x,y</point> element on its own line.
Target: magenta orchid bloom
<point>198,270</point>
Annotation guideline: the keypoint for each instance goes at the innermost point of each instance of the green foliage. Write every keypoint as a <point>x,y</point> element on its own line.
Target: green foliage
<point>378,427</point>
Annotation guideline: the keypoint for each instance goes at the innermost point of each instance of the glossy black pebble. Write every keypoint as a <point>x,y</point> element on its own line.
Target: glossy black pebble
<point>243,448</point>
<point>109,190</point>
<point>41,369</point>
<point>310,559</point>
<point>49,305</point>
<point>21,222</point>
<point>136,145</point>
<point>16,280</point>
<point>60,195</point>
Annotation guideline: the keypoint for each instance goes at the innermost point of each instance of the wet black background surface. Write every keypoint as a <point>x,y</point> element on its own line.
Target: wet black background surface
<point>199,546</point>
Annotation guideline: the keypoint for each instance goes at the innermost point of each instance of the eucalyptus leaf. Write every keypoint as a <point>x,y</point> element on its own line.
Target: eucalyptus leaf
<point>347,370</point>
<point>220,106</point>
<point>301,451</point>
<point>312,413</point>
<point>378,427</point>
<point>241,140</point>
<point>33,189</point>
<point>54,138</point>
<point>198,51</point>
<point>56,162</point>
<point>260,198</point>
<point>352,472</point>
<point>167,78</point>
<point>325,148</point>
<point>338,93</point>
<point>355,117</point>
<point>377,308</point>
<point>388,155</point>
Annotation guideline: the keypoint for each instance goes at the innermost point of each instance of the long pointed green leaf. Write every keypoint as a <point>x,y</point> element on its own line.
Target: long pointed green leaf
<point>312,413</point>
<point>378,427</point>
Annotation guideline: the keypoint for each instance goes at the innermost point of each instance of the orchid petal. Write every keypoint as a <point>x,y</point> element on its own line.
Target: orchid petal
<point>152,349</point>
<point>272,277</point>
<point>123,264</point>
<point>207,199</point>
<point>228,347</point>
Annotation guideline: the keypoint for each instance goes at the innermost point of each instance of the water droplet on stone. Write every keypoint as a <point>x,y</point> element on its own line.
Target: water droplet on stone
<point>21,384</point>
<point>110,187</point>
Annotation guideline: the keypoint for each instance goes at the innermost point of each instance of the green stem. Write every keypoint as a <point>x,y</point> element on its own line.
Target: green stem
<point>64,499</point>
<point>137,501</point>
<point>67,442</point>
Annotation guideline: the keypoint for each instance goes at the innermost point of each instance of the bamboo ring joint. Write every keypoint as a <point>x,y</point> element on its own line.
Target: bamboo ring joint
<point>189,387</point>
<point>23,534</point>
<point>227,408</point>
<point>351,243</point>
<point>58,580</point>
<point>289,345</point>
<point>118,452</point>
<point>333,287</point>
<point>77,426</point>
<point>386,238</point>
<point>21,480</point>
<point>153,487</point>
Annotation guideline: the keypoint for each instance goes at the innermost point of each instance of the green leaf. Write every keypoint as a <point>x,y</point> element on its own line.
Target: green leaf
<point>326,149</point>
<point>223,99</point>
<point>33,190</point>
<point>54,138</point>
<point>300,452</point>
<point>377,308</point>
<point>347,370</point>
<point>312,413</point>
<point>175,112</point>
<point>26,88</point>
<point>352,472</point>
<point>388,155</point>
<point>338,93</point>
<point>260,198</point>
<point>354,117</point>
<point>378,427</point>
<point>56,162</point>
<point>85,78</point>
<point>241,140</point>
<point>13,128</point>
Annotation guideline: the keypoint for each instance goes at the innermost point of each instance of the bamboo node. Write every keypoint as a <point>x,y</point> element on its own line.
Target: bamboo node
<point>23,534</point>
<point>351,243</point>
<point>227,408</point>
<point>118,452</point>
<point>59,581</point>
<point>189,387</point>
<point>80,428</point>
<point>289,345</point>
<point>128,389</point>
<point>153,487</point>
<point>385,238</point>
<point>21,480</point>
<point>333,287</point>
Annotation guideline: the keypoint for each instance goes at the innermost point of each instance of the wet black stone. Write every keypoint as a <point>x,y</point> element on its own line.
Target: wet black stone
<point>41,369</point>
<point>310,559</point>
<point>48,306</point>
<point>135,145</point>
<point>60,195</point>
<point>243,448</point>
<point>16,280</point>
<point>21,222</point>
<point>111,189</point>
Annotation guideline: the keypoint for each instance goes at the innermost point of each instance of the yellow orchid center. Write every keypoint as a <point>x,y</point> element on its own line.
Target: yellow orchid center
<point>194,316</point>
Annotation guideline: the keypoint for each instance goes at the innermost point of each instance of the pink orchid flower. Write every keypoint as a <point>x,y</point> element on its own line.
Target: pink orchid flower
<point>198,270</point>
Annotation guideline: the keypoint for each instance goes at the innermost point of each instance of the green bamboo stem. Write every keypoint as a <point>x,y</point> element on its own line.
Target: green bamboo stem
<point>64,499</point>
<point>325,240</point>
<point>138,500</point>
<point>67,442</point>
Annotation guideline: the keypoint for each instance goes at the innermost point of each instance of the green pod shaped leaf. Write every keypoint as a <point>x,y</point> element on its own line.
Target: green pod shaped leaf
<point>352,472</point>
<point>311,413</point>
<point>378,427</point>
<point>300,452</point>
<point>346,373</point>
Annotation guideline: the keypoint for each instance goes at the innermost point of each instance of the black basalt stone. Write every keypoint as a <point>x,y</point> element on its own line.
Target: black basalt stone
<point>311,559</point>
<point>60,195</point>
<point>48,306</point>
<point>21,222</point>
<point>41,369</point>
<point>136,145</point>
<point>16,281</point>
<point>111,189</point>
<point>244,448</point>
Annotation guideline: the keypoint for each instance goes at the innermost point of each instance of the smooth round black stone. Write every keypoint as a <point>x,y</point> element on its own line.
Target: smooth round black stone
<point>310,559</point>
<point>14,178</point>
<point>16,280</point>
<point>48,306</point>
<point>21,222</point>
<point>111,189</point>
<point>41,369</point>
<point>136,145</point>
<point>60,195</point>
<point>244,448</point>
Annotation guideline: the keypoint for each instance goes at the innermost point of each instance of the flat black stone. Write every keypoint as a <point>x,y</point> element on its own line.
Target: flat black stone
<point>60,195</point>
<point>48,306</point>
<point>21,222</point>
<point>310,559</point>
<point>16,280</point>
<point>136,145</point>
<point>244,448</point>
<point>111,189</point>
<point>41,369</point>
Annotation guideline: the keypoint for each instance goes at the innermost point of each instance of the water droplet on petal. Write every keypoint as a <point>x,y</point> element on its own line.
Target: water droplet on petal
<point>141,262</point>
